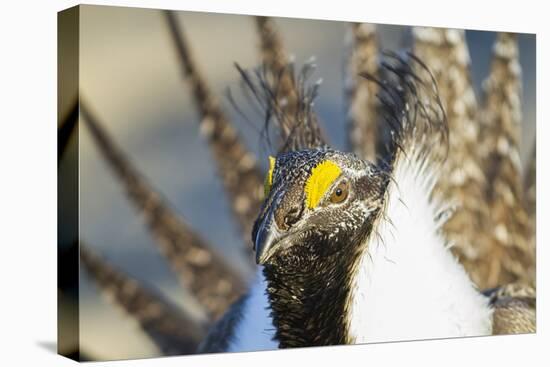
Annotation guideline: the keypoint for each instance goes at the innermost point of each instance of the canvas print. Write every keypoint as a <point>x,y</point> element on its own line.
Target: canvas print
<point>237,183</point>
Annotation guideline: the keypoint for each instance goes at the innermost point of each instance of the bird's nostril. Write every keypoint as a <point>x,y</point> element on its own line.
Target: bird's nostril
<point>286,216</point>
<point>292,216</point>
<point>289,207</point>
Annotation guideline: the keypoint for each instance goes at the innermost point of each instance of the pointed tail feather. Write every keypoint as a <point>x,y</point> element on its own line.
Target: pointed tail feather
<point>363,130</point>
<point>276,61</point>
<point>282,93</point>
<point>501,118</point>
<point>463,179</point>
<point>413,113</point>
<point>170,329</point>
<point>200,269</point>
<point>410,108</point>
<point>237,166</point>
<point>305,131</point>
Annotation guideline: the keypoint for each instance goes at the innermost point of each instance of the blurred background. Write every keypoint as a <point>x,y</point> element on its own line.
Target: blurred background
<point>130,76</point>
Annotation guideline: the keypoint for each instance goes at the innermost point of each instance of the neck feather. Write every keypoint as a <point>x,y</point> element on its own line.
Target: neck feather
<point>308,307</point>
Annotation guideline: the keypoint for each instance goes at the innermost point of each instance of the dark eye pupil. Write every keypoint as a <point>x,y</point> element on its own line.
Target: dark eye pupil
<point>338,192</point>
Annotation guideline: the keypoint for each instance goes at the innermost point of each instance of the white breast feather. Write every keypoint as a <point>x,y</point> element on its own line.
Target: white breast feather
<point>409,285</point>
<point>255,330</point>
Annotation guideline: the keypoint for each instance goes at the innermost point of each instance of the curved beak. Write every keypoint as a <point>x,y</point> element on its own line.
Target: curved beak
<point>266,239</point>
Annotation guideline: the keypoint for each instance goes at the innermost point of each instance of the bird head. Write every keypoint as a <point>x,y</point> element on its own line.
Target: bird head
<point>318,202</point>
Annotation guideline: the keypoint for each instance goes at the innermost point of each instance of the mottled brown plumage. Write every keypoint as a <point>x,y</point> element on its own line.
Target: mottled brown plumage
<point>512,254</point>
<point>363,131</point>
<point>515,308</point>
<point>469,180</point>
<point>275,59</point>
<point>305,130</point>
<point>170,329</point>
<point>462,181</point>
<point>237,167</point>
<point>203,272</point>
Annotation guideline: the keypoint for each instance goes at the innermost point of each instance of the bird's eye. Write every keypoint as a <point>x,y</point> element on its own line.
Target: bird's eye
<point>340,193</point>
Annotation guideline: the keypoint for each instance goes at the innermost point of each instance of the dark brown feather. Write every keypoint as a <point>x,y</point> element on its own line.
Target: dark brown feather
<point>462,180</point>
<point>170,329</point>
<point>237,166</point>
<point>199,268</point>
<point>512,255</point>
<point>515,309</point>
<point>275,59</point>
<point>363,130</point>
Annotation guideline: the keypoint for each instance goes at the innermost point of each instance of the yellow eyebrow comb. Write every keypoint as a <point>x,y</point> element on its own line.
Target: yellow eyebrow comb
<point>269,178</point>
<point>321,178</point>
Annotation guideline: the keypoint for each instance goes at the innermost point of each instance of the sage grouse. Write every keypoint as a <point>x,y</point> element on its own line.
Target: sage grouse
<point>392,241</point>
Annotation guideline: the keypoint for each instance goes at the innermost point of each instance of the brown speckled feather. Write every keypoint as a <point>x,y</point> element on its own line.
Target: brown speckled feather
<point>203,272</point>
<point>170,329</point>
<point>274,57</point>
<point>462,181</point>
<point>262,87</point>
<point>237,166</point>
<point>512,253</point>
<point>363,132</point>
<point>283,93</point>
<point>515,309</point>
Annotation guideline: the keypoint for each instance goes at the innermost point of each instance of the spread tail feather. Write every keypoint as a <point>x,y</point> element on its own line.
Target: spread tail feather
<point>199,268</point>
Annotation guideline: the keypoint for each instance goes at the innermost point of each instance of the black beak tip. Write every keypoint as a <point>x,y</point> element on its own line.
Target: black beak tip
<point>264,245</point>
